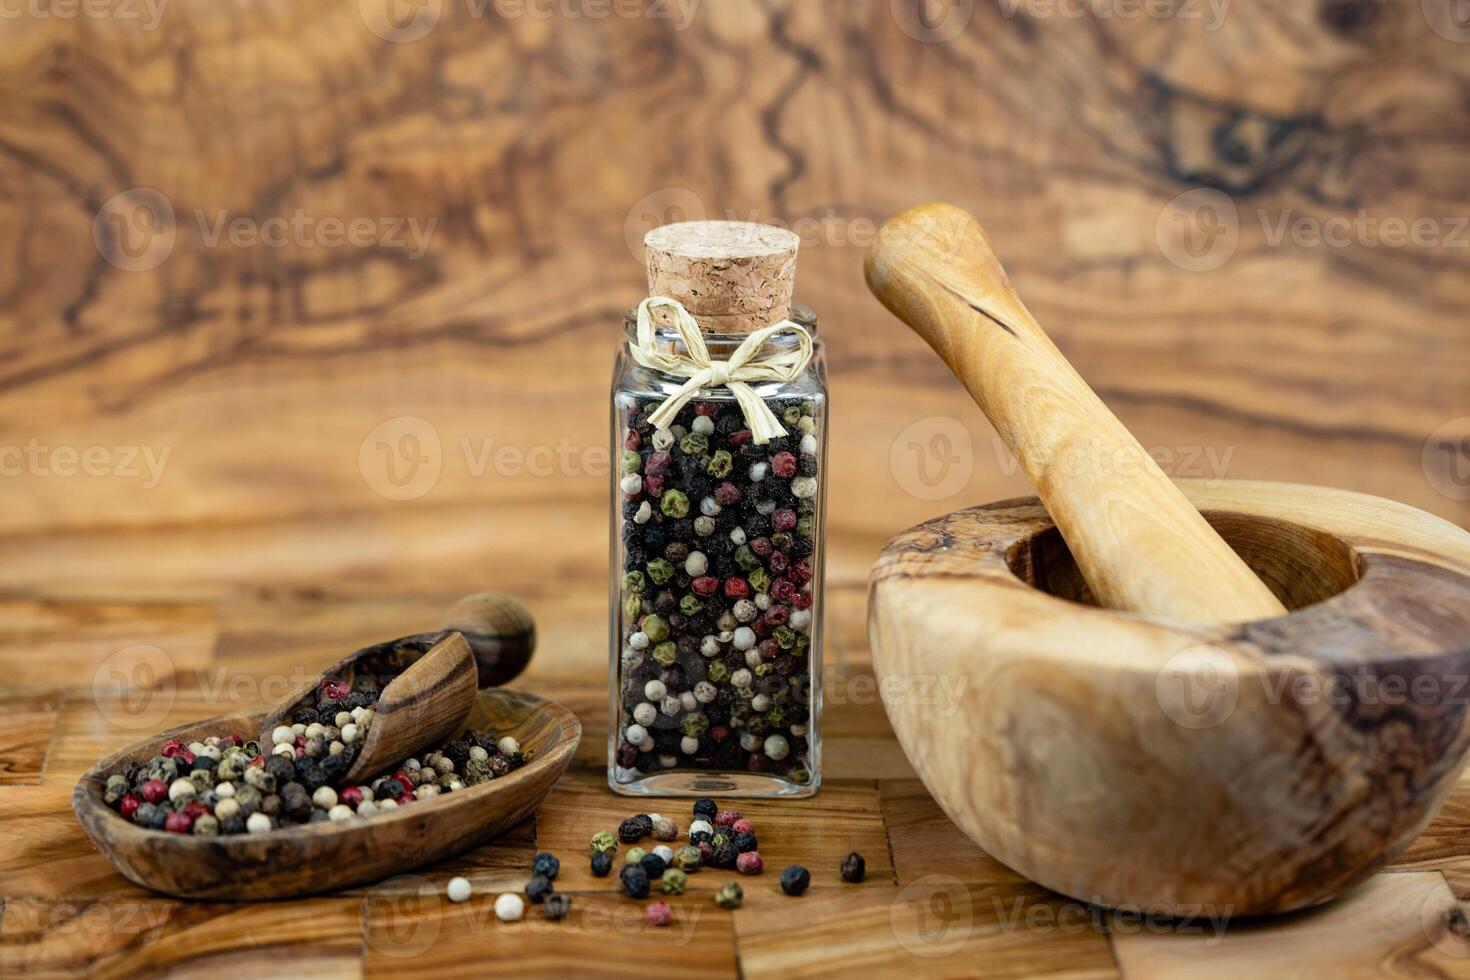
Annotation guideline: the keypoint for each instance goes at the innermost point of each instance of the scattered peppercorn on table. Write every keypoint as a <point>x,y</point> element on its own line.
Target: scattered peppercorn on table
<point>928,901</point>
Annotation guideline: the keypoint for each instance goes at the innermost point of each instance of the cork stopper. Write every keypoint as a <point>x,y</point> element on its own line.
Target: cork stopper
<point>733,276</point>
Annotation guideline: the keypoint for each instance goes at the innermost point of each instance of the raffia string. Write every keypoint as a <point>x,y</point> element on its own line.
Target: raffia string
<point>744,366</point>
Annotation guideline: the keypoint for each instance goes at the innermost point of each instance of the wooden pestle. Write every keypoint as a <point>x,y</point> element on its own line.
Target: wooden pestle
<point>1139,543</point>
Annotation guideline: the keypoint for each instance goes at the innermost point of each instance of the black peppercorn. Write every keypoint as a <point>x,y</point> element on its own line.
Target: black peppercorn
<point>745,842</point>
<point>854,867</point>
<point>602,863</point>
<point>725,855</point>
<point>634,829</point>
<point>538,889</point>
<point>546,865</point>
<point>556,907</point>
<point>795,879</point>
<point>700,837</point>
<point>652,865</point>
<point>635,881</point>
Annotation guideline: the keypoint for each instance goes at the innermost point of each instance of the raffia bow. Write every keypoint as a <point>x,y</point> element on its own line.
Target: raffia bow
<point>737,373</point>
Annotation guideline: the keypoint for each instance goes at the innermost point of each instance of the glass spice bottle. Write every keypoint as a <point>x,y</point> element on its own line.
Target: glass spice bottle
<point>719,419</point>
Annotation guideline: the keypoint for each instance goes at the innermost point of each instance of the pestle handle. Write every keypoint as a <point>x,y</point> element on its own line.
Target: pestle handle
<point>1139,543</point>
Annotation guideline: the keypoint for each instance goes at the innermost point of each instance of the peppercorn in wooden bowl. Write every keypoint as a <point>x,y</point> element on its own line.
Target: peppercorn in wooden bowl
<point>322,857</point>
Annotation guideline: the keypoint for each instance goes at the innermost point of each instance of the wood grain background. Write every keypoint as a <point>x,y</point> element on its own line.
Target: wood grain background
<point>542,140</point>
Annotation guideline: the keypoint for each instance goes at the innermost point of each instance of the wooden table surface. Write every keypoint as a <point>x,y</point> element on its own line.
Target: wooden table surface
<point>932,901</point>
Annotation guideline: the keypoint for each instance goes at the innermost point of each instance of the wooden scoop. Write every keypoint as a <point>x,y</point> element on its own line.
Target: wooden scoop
<point>1139,543</point>
<point>490,641</point>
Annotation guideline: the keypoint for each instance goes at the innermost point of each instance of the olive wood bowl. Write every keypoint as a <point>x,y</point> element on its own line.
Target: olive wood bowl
<point>322,857</point>
<point>1138,762</point>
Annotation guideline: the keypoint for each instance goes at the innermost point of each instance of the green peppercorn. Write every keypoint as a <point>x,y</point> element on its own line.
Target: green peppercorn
<point>694,724</point>
<point>745,558</point>
<point>635,582</point>
<point>632,606</point>
<point>730,895</point>
<point>674,504</point>
<point>604,842</point>
<point>718,671</point>
<point>760,580</point>
<point>784,636</point>
<point>656,628</point>
<point>632,462</point>
<point>659,569</point>
<point>673,881</point>
<point>720,464</point>
<point>804,525</point>
<point>686,859</point>
<point>791,415</point>
<point>694,444</point>
<point>666,653</point>
<point>635,855</point>
<point>691,605</point>
<point>762,669</point>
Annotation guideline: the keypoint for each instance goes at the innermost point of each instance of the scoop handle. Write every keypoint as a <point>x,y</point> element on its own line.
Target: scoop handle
<point>1139,543</point>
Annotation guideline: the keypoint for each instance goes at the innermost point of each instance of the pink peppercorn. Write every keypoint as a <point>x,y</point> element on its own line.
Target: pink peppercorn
<point>234,738</point>
<point>155,790</point>
<point>783,590</point>
<point>633,441</point>
<point>802,601</point>
<point>658,463</point>
<point>801,571</point>
<point>784,519</point>
<point>743,826</point>
<point>186,757</point>
<point>778,562</point>
<point>194,810</point>
<point>350,795</point>
<point>719,733</point>
<point>769,649</point>
<point>777,616</point>
<point>171,748</point>
<point>706,852</point>
<point>178,823</point>
<point>761,546</point>
<point>705,585</point>
<point>659,914</point>
<point>740,438</point>
<point>336,690</point>
<point>706,408</point>
<point>653,485</point>
<point>726,494</point>
<point>783,464</point>
<point>129,805</point>
<point>726,817</point>
<point>750,863</point>
<point>736,588</point>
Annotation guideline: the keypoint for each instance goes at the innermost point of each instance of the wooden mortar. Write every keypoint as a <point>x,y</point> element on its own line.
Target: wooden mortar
<point>1272,706</point>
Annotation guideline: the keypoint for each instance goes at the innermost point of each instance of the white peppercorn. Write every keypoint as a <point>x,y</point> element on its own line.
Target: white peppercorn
<point>458,889</point>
